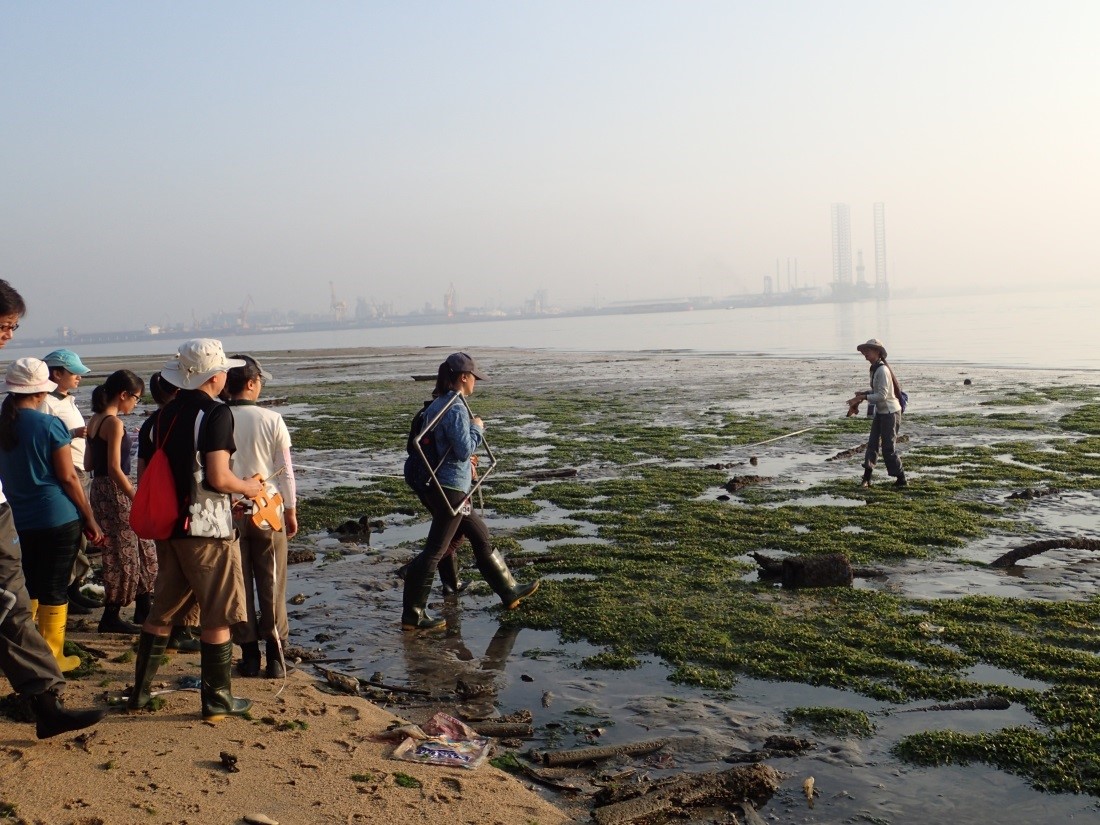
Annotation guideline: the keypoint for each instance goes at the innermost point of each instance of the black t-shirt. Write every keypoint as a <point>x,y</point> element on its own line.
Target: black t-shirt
<point>176,425</point>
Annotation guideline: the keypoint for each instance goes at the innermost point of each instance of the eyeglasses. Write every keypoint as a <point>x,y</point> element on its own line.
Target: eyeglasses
<point>9,327</point>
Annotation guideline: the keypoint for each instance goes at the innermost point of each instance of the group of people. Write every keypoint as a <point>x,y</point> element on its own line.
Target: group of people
<point>65,484</point>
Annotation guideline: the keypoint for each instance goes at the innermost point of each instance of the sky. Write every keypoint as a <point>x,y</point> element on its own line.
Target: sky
<point>163,161</point>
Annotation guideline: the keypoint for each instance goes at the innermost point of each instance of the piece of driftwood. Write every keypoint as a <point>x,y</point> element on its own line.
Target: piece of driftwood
<point>740,482</point>
<point>1028,495</point>
<point>380,685</point>
<point>826,570</point>
<point>502,730</point>
<point>578,756</point>
<point>339,681</point>
<point>1037,547</point>
<point>671,796</point>
<point>539,475</point>
<point>981,703</point>
<point>775,747</point>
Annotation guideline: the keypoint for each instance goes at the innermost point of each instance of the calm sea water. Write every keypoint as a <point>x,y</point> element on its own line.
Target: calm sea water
<point>1040,330</point>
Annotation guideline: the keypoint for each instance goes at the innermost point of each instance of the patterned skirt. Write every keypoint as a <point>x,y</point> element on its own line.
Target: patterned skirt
<point>129,563</point>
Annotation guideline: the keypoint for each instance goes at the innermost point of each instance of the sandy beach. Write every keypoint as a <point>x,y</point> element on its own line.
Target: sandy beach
<point>305,757</point>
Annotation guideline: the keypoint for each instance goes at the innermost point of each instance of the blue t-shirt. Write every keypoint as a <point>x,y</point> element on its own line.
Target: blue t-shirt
<point>36,496</point>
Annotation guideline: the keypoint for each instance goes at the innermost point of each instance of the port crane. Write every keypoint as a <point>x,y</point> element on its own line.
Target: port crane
<point>338,306</point>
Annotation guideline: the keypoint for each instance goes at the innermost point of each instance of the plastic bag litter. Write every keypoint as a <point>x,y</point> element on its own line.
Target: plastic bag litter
<point>450,742</point>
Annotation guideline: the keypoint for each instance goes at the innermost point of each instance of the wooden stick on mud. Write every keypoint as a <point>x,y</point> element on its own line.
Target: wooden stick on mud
<point>580,755</point>
<point>1037,547</point>
<point>756,782</point>
<point>503,730</point>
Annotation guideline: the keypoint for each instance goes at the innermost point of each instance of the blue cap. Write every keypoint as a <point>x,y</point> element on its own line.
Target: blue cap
<point>67,360</point>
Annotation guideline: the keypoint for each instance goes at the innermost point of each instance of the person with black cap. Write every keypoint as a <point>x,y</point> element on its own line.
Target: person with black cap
<point>263,449</point>
<point>885,396</point>
<point>455,438</point>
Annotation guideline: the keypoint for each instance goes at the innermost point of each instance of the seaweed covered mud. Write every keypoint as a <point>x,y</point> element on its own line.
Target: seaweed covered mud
<point>637,486</point>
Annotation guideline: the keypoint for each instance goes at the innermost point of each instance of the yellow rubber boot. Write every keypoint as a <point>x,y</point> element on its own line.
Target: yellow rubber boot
<point>51,624</point>
<point>34,610</point>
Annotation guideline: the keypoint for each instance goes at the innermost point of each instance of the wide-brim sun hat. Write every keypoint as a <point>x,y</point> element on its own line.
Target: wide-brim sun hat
<point>27,376</point>
<point>196,362</point>
<point>874,343</point>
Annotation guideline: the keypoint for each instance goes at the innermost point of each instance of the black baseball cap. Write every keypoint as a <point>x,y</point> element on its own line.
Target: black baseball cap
<point>461,362</point>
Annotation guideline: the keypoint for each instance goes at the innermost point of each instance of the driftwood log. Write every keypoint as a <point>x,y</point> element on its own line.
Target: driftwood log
<point>540,475</point>
<point>504,730</point>
<point>826,570</point>
<point>740,482</point>
<point>775,747</point>
<point>1037,547</point>
<point>636,802</point>
<point>981,703</point>
<point>578,756</point>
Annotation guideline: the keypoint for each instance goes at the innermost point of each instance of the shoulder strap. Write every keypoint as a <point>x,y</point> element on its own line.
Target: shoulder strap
<point>159,443</point>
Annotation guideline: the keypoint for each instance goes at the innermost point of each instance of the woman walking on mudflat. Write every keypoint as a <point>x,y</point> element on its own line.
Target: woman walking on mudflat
<point>129,563</point>
<point>885,395</point>
<point>455,438</point>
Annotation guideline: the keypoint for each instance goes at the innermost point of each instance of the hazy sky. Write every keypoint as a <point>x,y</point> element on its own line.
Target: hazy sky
<point>159,159</point>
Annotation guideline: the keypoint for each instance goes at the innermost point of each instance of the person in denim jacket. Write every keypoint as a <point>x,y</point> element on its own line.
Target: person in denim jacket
<point>456,437</point>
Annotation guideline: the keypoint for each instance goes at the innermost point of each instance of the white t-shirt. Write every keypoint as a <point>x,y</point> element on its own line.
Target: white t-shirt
<point>65,409</point>
<point>263,446</point>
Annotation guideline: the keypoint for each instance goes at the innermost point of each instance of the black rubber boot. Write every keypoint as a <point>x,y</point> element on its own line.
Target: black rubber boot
<point>183,639</point>
<point>78,609</point>
<point>149,652</point>
<point>414,600</point>
<point>142,605</point>
<point>901,482</point>
<point>867,476</point>
<point>276,666</point>
<point>218,700</point>
<point>249,665</point>
<point>52,718</point>
<point>500,578</point>
<point>111,622</point>
<point>448,575</point>
<point>76,596</point>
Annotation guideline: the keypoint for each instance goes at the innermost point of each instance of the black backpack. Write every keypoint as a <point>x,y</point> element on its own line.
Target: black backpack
<point>417,474</point>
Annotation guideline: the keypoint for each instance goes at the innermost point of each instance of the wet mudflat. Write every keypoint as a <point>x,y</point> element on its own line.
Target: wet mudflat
<point>652,621</point>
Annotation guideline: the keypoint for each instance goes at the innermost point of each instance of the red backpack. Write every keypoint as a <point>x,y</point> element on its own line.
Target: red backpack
<point>155,509</point>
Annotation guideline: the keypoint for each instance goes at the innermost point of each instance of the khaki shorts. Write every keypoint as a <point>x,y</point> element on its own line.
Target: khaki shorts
<point>199,571</point>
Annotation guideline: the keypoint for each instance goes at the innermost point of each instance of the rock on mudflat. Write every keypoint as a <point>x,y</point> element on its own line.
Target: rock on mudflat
<point>259,819</point>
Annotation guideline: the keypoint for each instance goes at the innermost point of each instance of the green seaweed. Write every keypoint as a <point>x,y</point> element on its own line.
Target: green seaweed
<point>832,721</point>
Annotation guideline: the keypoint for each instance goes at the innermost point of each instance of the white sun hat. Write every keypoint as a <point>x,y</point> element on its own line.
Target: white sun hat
<point>196,362</point>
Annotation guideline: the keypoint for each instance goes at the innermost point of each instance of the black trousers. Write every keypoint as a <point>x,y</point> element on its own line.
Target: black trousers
<point>48,556</point>
<point>445,528</point>
<point>25,660</point>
